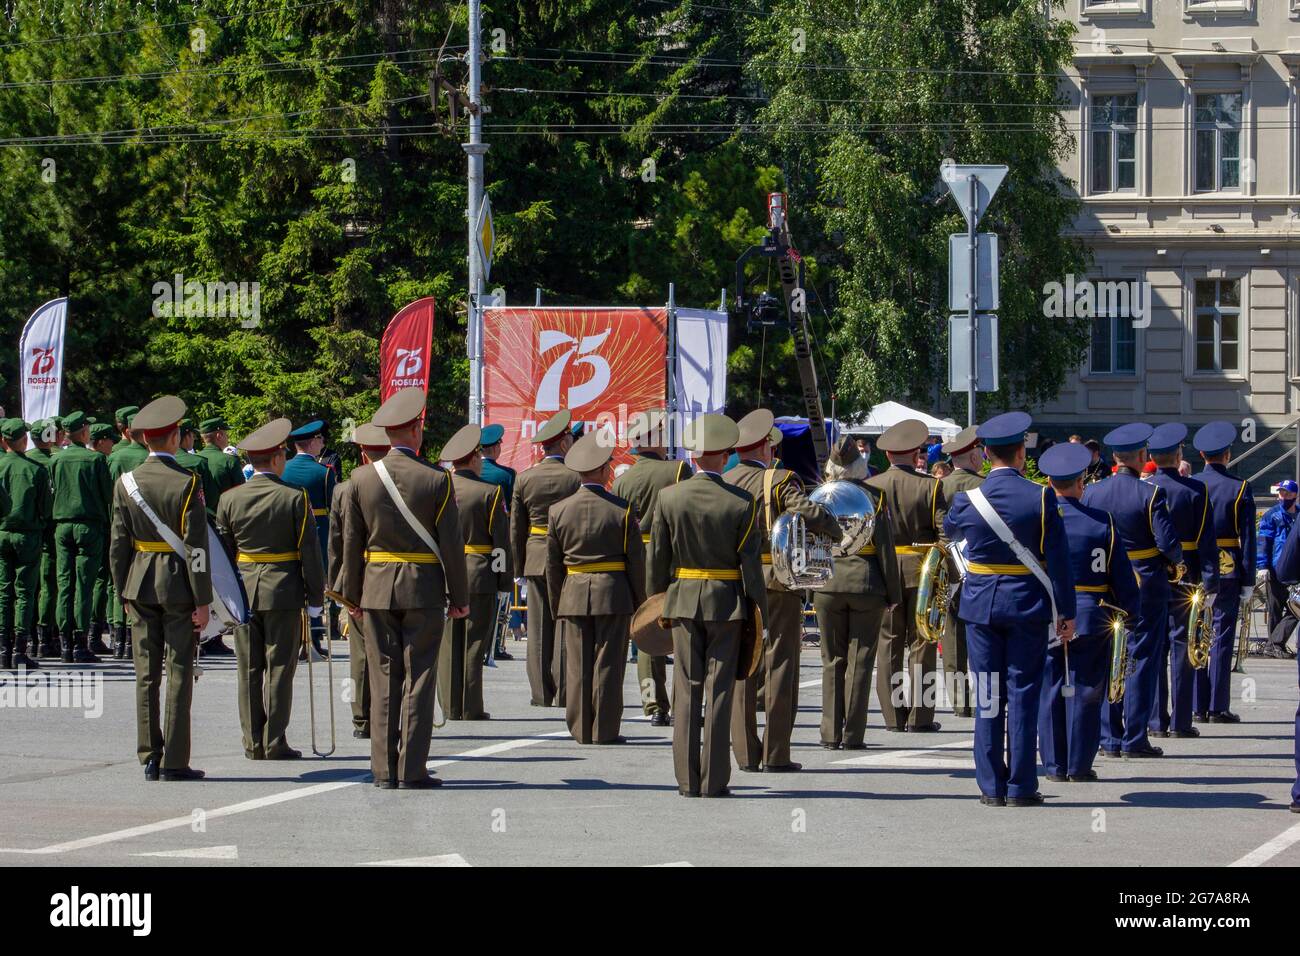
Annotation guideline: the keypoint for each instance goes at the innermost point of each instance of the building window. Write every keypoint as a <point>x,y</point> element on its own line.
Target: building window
<point>1211,7</point>
<point>1218,142</point>
<point>1218,325</point>
<point>1114,143</point>
<point>1112,7</point>
<point>1114,346</point>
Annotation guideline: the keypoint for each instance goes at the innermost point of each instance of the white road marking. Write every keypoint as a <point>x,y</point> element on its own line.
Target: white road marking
<point>1283,841</point>
<point>810,683</point>
<point>678,863</point>
<point>269,801</point>
<point>446,859</point>
<point>200,853</point>
<point>929,758</point>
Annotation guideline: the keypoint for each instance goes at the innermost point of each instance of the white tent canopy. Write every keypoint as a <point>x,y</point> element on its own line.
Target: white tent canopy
<point>885,414</point>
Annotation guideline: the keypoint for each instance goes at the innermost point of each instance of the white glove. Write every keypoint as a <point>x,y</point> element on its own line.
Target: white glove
<point>313,611</point>
<point>1246,592</point>
<point>504,596</point>
<point>1261,576</point>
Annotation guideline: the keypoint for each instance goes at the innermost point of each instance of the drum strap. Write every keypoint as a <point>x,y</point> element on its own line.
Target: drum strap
<point>994,521</point>
<point>167,534</point>
<point>421,531</point>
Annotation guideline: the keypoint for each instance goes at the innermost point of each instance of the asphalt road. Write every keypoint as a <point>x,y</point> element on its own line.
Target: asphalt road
<point>519,791</point>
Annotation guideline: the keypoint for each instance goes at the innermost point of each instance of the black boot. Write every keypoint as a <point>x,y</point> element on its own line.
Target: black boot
<point>6,649</point>
<point>121,642</point>
<point>20,652</point>
<point>66,640</point>
<point>80,651</point>
<point>97,645</point>
<point>49,643</point>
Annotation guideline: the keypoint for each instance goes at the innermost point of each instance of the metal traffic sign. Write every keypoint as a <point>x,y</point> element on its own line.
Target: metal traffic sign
<point>959,362</point>
<point>959,266</point>
<point>485,236</point>
<point>987,181</point>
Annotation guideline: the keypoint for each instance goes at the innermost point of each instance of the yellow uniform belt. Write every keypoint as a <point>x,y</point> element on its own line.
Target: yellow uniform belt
<point>267,557</point>
<point>645,538</point>
<point>537,529</point>
<point>1093,588</point>
<point>766,557</point>
<point>595,567</point>
<point>320,512</point>
<point>478,549</point>
<point>152,547</point>
<point>912,548</point>
<point>1228,543</point>
<point>402,557</point>
<point>708,574</point>
<point>1142,553</point>
<point>974,567</point>
<point>1191,545</point>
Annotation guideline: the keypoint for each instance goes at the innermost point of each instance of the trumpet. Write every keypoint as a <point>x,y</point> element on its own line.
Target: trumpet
<point>311,679</point>
<point>1119,664</point>
<point>1200,628</point>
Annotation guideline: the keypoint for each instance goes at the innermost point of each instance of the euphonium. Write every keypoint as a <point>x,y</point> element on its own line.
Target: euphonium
<point>801,559</point>
<point>932,589</point>
<point>1200,628</point>
<point>1118,652</point>
<point>1245,621</point>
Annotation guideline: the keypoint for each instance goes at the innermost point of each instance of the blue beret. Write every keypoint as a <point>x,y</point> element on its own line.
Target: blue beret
<point>1167,437</point>
<point>1008,429</point>
<point>1129,437</point>
<point>1286,484</point>
<point>493,434</point>
<point>304,432</point>
<point>1215,437</point>
<point>1065,461</point>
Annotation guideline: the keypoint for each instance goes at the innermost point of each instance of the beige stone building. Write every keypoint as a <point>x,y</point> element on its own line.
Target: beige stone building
<point>1188,165</point>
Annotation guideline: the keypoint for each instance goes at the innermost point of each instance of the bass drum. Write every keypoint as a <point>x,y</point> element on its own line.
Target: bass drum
<point>229,606</point>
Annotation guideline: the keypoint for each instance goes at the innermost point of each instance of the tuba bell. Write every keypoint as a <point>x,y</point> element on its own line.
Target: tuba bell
<point>801,559</point>
<point>1246,618</point>
<point>932,593</point>
<point>1119,664</point>
<point>1200,628</point>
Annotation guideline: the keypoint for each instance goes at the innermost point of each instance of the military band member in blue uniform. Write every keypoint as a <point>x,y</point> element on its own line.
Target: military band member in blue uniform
<point>1142,520</point>
<point>1189,510</point>
<point>304,471</point>
<point>1009,612</point>
<point>1287,570</point>
<point>1069,727</point>
<point>1233,508</point>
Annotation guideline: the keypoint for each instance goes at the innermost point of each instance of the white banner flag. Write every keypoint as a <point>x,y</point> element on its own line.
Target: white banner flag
<point>701,364</point>
<point>40,359</point>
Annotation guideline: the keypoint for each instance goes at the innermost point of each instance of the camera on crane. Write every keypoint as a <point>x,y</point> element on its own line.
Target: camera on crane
<point>765,311</point>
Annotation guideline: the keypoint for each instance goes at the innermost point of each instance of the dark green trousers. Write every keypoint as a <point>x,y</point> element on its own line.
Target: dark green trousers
<point>266,653</point>
<point>652,678</point>
<point>79,550</point>
<point>162,635</point>
<point>358,671</point>
<point>48,583</point>
<point>460,658</point>
<point>20,569</point>
<point>850,628</point>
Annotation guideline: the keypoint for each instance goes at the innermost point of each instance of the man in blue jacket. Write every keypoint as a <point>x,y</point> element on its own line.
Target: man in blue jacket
<point>1069,727</point>
<point>1270,539</point>
<point>1009,611</point>
<point>1288,572</point>
<point>304,471</point>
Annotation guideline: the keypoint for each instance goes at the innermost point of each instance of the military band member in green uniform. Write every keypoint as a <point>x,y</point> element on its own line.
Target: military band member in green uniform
<point>126,455</point>
<point>373,444</point>
<point>82,506</point>
<point>916,506</point>
<point>776,490</point>
<point>595,575</point>
<point>403,560</point>
<point>41,450</point>
<point>28,506</point>
<point>704,555</point>
<point>640,485</point>
<point>225,469</point>
<point>485,529</point>
<point>268,526</point>
<point>536,489</point>
<point>865,586</point>
<point>967,456</point>
<point>165,597</point>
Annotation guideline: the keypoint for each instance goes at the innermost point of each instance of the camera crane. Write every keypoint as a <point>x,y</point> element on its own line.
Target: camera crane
<point>766,311</point>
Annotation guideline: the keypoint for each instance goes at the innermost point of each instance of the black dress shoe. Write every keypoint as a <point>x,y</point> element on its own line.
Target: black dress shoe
<point>1033,800</point>
<point>427,783</point>
<point>288,753</point>
<point>930,728</point>
<point>620,739</point>
<point>724,792</point>
<point>1224,717</point>
<point>855,746</point>
<point>1109,753</point>
<point>1157,733</point>
<point>254,754</point>
<point>386,784</point>
<point>1089,777</point>
<point>1184,734</point>
<point>688,793</point>
<point>896,730</point>
<point>1295,807</point>
<point>987,801</point>
<point>215,647</point>
<point>505,656</point>
<point>151,769</point>
<point>1147,751</point>
<point>483,716</point>
<point>659,720</point>
<point>1199,718</point>
<point>752,768</point>
<point>182,773</point>
<point>1057,777</point>
<point>835,745</point>
<point>782,768</point>
<point>360,734</point>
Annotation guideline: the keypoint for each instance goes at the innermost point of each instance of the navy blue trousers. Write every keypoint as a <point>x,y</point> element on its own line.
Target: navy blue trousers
<point>1006,663</point>
<point>1124,725</point>
<point>1177,676</point>
<point>1295,790</point>
<point>1213,690</point>
<point>1069,728</point>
